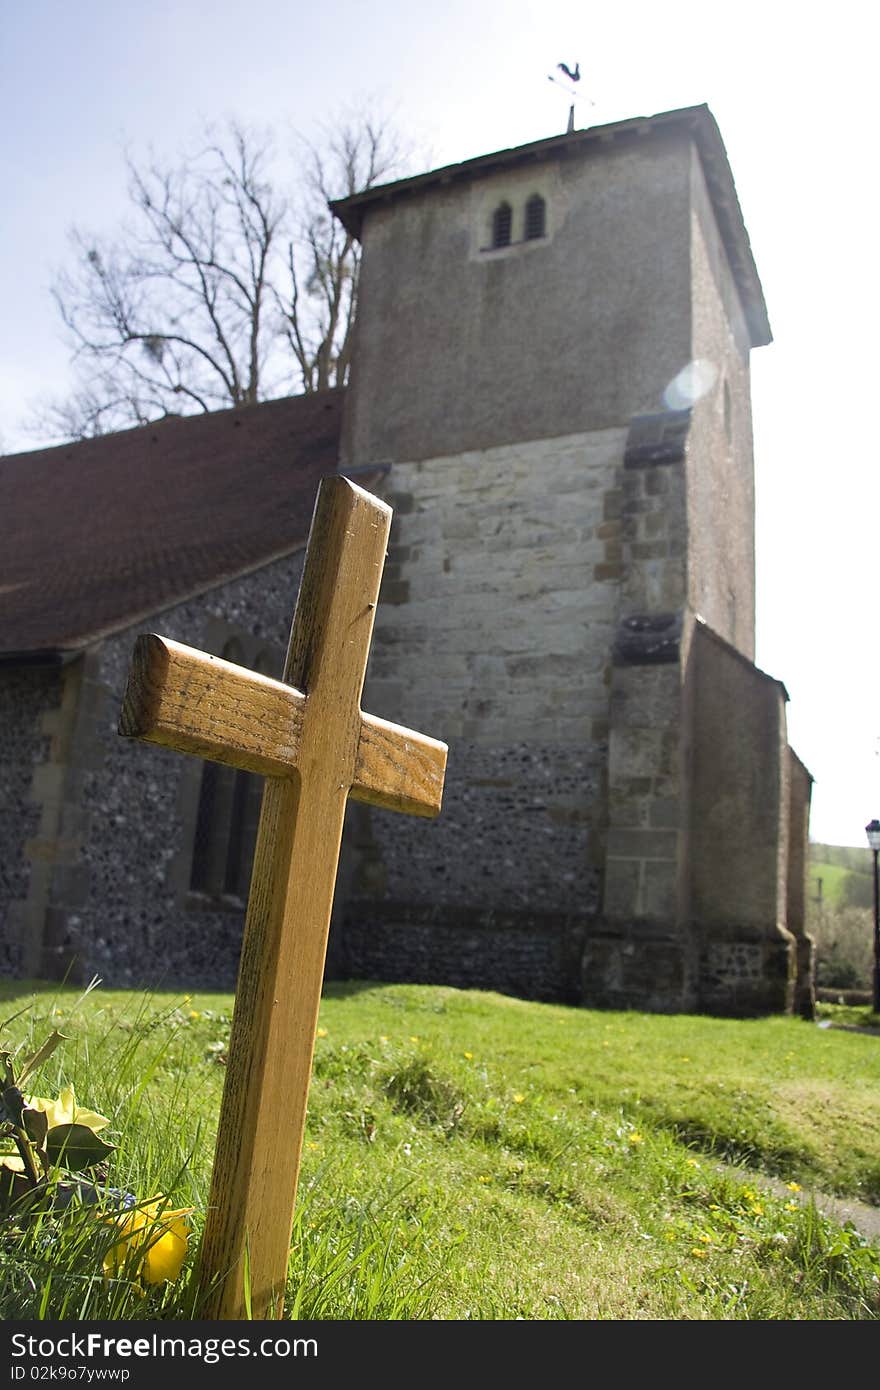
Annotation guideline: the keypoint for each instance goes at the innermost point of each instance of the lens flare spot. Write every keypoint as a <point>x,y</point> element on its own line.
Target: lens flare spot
<point>692,383</point>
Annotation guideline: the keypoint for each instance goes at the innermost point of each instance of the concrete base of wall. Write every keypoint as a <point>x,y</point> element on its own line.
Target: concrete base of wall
<point>744,977</point>
<point>637,967</point>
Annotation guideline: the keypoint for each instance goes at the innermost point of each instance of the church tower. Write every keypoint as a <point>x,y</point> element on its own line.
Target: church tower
<point>552,366</point>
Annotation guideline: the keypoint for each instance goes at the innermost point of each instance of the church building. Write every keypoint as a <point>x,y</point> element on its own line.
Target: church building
<point>550,387</point>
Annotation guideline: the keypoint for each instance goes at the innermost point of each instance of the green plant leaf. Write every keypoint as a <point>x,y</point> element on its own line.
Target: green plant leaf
<point>37,1058</point>
<point>36,1124</point>
<point>75,1147</point>
<point>14,1183</point>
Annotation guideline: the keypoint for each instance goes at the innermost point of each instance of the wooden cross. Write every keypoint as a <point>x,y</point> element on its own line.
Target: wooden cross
<point>307,735</point>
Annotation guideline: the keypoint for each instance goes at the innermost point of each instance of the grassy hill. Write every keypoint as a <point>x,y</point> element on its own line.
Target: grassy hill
<point>470,1156</point>
<point>846,873</point>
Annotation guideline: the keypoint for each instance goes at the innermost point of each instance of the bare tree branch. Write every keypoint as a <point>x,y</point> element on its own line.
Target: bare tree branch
<point>219,291</point>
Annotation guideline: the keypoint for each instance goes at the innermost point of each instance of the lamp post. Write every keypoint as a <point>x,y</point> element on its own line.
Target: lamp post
<point>872,830</point>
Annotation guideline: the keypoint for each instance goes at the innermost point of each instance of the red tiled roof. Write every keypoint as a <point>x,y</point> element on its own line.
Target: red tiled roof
<point>103,532</point>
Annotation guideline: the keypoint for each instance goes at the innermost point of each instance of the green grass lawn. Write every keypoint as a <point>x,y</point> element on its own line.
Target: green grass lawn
<point>473,1156</point>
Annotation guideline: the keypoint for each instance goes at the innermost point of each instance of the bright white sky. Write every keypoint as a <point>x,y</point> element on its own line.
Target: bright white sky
<point>793,89</point>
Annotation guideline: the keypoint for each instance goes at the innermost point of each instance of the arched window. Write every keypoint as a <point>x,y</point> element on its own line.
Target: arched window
<point>536,217</point>
<point>227,818</point>
<point>502,223</point>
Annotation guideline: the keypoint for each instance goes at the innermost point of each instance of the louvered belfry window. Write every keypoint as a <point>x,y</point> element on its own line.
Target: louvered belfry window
<point>536,217</point>
<point>502,223</point>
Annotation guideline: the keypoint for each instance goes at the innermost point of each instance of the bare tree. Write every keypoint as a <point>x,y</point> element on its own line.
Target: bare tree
<point>222,290</point>
<point>324,262</point>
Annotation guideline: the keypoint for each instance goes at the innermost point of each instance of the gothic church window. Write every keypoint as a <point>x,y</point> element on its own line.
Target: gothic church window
<point>227,817</point>
<point>502,223</point>
<point>536,217</point>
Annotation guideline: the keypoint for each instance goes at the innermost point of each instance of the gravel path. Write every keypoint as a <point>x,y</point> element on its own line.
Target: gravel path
<point>865,1218</point>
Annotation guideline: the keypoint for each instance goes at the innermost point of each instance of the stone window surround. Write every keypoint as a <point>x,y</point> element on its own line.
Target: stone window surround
<point>517,188</point>
<point>254,653</point>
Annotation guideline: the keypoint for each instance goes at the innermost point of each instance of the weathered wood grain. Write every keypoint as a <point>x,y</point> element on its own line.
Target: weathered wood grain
<point>184,699</point>
<point>308,736</point>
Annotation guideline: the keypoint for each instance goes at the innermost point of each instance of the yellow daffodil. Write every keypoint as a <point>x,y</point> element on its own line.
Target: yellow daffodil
<point>65,1111</point>
<point>152,1242</point>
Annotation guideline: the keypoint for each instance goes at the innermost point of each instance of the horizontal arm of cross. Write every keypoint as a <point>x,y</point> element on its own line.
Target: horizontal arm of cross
<point>196,703</point>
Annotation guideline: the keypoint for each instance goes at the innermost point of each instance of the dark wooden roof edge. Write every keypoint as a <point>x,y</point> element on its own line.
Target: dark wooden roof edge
<point>741,656</point>
<point>78,643</point>
<point>698,121</point>
<point>171,423</point>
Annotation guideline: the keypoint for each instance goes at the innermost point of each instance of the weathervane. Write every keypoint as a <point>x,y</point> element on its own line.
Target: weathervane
<point>573,75</point>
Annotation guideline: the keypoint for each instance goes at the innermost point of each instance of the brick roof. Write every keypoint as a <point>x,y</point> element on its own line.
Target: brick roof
<point>101,533</point>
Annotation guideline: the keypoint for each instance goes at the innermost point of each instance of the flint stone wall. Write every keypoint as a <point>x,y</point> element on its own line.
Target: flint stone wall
<point>121,907</point>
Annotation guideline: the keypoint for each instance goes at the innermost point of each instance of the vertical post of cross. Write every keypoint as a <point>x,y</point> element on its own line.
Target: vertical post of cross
<point>308,735</point>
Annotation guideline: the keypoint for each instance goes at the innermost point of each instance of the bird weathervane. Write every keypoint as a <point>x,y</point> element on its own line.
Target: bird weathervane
<point>574,76</point>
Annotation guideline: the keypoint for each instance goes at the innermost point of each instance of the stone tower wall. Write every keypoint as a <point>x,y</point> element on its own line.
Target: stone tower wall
<point>461,348</point>
<point>493,633</point>
<point>720,472</point>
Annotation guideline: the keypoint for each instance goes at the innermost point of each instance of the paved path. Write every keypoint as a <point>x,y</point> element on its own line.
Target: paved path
<point>865,1218</point>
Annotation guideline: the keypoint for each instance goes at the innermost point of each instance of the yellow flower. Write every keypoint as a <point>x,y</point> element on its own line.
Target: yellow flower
<point>793,1186</point>
<point>700,1254</point>
<point>636,1138</point>
<point>312,1145</point>
<point>705,1237</point>
<point>152,1242</point>
<point>194,1013</point>
<point>413,1037</point>
<point>518,1098</point>
<point>757,1209</point>
<point>468,1055</point>
<point>791,1206</point>
<point>321,1032</point>
<point>383,1039</point>
<point>692,1163</point>
<point>749,1194</point>
<point>65,1111</point>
